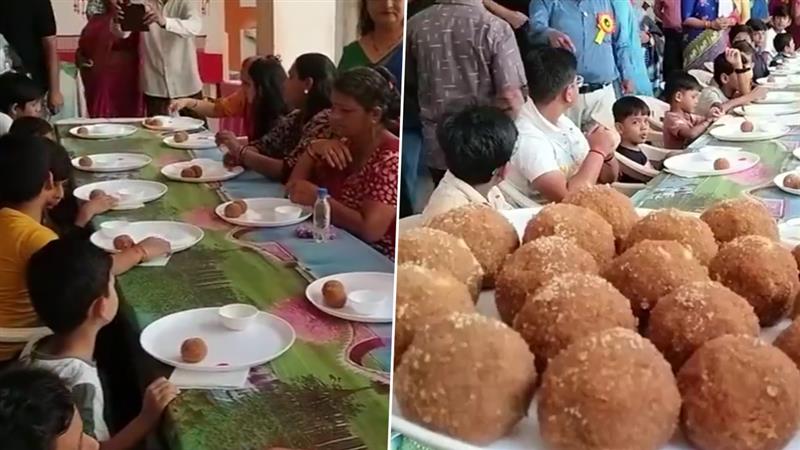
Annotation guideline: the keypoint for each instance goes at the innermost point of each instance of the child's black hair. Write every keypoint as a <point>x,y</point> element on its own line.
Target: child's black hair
<point>680,81</point>
<point>476,142</point>
<point>782,41</point>
<point>32,126</point>
<point>737,29</point>
<point>548,71</point>
<point>24,168</point>
<point>781,11</point>
<point>17,89</point>
<point>36,407</point>
<point>61,218</point>
<point>65,278</point>
<point>723,67</point>
<point>757,25</point>
<point>745,48</point>
<point>629,106</point>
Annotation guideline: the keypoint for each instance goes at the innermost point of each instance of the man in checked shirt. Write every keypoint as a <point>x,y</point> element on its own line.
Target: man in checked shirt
<point>461,54</point>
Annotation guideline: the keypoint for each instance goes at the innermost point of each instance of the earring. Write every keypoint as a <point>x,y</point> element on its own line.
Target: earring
<point>305,91</point>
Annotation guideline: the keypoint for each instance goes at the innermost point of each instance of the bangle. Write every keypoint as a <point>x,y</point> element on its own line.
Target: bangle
<point>602,155</point>
<point>242,151</point>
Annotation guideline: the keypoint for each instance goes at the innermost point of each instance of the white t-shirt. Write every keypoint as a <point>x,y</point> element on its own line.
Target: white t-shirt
<point>5,123</point>
<point>543,147</point>
<point>81,378</point>
<point>769,41</point>
<point>452,193</point>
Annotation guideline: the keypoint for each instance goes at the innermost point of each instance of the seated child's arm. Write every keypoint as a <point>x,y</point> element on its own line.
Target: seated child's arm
<point>759,93</point>
<point>156,398</point>
<point>688,131</point>
<point>610,172</point>
<point>93,207</point>
<point>144,251</point>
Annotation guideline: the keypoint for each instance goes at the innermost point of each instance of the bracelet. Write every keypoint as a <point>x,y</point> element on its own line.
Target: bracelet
<point>242,150</point>
<point>602,155</point>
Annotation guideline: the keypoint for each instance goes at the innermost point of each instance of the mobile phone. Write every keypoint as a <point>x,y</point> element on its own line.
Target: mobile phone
<point>134,17</point>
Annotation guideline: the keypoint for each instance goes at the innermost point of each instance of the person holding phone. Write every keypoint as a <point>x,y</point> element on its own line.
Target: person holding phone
<point>168,51</point>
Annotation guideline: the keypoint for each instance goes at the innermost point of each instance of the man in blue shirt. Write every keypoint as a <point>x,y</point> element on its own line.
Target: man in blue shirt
<point>589,29</point>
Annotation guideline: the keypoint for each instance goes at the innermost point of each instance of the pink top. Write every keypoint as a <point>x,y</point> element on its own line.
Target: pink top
<point>669,11</point>
<point>674,123</point>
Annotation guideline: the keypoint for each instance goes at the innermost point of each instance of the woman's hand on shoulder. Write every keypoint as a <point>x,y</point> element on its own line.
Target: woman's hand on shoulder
<point>333,152</point>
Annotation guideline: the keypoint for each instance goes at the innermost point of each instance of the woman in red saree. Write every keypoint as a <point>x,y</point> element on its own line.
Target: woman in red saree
<point>109,65</point>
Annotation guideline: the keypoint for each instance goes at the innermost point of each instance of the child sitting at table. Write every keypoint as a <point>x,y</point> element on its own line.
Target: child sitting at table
<point>37,411</point>
<point>731,86</point>
<point>681,125</point>
<point>27,188</point>
<point>33,126</point>
<point>784,47</point>
<point>71,285</point>
<point>631,119</point>
<point>477,142</point>
<point>19,97</point>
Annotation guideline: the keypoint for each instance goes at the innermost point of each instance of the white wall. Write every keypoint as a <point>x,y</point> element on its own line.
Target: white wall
<point>303,26</point>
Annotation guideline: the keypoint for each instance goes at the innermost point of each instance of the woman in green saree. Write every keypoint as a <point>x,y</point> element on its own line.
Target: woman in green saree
<point>381,43</point>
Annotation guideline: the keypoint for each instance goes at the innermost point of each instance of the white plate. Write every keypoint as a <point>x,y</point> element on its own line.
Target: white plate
<point>693,164</point>
<point>261,213</point>
<point>767,110</point>
<point>132,194</point>
<point>762,132</point>
<point>778,180</point>
<point>780,81</point>
<point>779,97</point>
<point>180,236</point>
<point>267,338</point>
<point>212,171</point>
<point>381,284</point>
<point>104,131</point>
<point>197,141</point>
<point>114,162</point>
<point>525,435</point>
<point>175,123</point>
<point>712,152</point>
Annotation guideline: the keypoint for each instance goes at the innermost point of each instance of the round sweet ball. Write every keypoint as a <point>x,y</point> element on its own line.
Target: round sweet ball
<point>673,225</point>
<point>652,269</point>
<point>334,294</point>
<point>792,181</point>
<point>488,234</point>
<point>181,136</point>
<point>609,390</point>
<point>696,313</point>
<point>425,295</point>
<point>730,219</point>
<point>96,193</point>
<point>85,161</point>
<point>568,308</point>
<point>235,209</point>
<point>194,350</point>
<point>761,271</point>
<point>739,393</point>
<point>468,376</point>
<point>587,228</point>
<point>789,342</point>
<point>436,249</point>
<point>722,164</point>
<point>747,126</point>
<point>613,206</point>
<point>534,264</point>
<point>123,242</point>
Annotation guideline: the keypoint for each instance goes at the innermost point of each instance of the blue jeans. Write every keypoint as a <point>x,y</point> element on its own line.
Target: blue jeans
<point>411,158</point>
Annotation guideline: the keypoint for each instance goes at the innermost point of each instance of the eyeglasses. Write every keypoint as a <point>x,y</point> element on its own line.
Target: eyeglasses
<point>578,81</point>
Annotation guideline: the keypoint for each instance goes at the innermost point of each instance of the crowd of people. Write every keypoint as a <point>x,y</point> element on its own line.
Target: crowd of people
<point>312,126</point>
<point>578,79</point>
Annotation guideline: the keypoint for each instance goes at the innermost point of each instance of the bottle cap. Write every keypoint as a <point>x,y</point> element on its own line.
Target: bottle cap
<point>322,192</point>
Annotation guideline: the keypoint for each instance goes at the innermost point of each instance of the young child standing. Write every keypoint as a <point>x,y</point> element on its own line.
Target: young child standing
<point>19,97</point>
<point>71,285</point>
<point>477,142</point>
<point>781,20</point>
<point>681,124</point>
<point>631,115</point>
<point>730,87</point>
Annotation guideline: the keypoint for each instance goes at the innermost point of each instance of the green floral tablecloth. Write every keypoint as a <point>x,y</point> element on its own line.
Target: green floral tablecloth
<point>330,390</point>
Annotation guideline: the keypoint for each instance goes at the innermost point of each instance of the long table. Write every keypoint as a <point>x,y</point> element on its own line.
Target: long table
<point>330,390</point>
<point>696,194</point>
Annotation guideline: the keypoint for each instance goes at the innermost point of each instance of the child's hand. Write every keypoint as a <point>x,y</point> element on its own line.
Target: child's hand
<point>154,247</point>
<point>93,207</point>
<point>156,398</point>
<point>714,113</point>
<point>733,56</point>
<point>759,93</point>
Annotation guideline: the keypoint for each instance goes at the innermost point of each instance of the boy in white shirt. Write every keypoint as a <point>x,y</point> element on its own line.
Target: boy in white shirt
<point>552,157</point>
<point>71,286</point>
<point>477,142</point>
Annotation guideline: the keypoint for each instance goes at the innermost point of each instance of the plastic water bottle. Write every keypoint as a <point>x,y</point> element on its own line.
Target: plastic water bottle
<point>322,216</point>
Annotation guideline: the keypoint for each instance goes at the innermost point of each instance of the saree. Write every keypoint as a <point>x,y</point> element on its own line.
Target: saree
<point>353,56</point>
<point>109,68</point>
<point>703,46</point>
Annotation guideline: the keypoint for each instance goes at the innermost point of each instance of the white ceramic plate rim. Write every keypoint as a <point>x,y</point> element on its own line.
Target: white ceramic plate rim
<point>753,160</point>
<point>193,367</point>
<point>778,180</point>
<point>719,133</point>
<point>82,192</point>
<point>229,174</point>
<point>169,141</point>
<point>143,161</point>
<point>783,97</point>
<point>783,109</point>
<point>190,123</point>
<point>220,210</point>
<point>129,130</point>
<point>316,287</point>
<point>95,237</point>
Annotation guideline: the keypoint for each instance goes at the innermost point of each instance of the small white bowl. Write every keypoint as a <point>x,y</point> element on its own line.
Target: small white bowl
<point>113,228</point>
<point>288,212</point>
<point>237,316</point>
<point>366,301</point>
